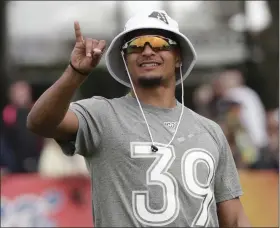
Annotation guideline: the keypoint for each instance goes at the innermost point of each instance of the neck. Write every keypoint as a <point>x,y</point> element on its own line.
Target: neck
<point>162,97</point>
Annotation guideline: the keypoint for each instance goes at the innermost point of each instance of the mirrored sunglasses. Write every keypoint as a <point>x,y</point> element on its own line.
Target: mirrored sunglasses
<point>157,43</point>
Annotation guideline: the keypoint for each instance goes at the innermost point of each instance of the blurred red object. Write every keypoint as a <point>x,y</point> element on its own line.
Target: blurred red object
<point>34,201</point>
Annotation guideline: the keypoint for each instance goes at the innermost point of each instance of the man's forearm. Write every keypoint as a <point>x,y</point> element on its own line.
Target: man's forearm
<point>50,109</point>
<point>242,220</point>
<point>231,214</point>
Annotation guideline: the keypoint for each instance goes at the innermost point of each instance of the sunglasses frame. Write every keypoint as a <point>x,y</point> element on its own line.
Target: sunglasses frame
<point>169,41</point>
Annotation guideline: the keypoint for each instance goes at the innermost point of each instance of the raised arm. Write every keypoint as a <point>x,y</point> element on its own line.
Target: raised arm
<point>50,116</point>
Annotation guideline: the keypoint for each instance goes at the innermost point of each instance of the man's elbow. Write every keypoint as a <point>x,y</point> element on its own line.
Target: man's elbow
<point>31,125</point>
<point>37,127</point>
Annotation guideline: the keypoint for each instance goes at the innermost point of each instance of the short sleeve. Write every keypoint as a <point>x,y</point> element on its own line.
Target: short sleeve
<point>89,133</point>
<point>227,183</point>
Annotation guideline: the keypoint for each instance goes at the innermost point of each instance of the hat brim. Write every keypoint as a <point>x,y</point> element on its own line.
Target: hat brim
<point>115,64</point>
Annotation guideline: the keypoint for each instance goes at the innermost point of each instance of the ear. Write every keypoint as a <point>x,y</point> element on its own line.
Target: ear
<point>178,62</point>
<point>178,58</point>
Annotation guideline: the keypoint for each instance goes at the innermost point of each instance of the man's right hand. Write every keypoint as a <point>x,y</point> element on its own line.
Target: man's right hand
<point>87,52</point>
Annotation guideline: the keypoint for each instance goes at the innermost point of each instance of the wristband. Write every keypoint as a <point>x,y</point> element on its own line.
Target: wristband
<point>75,69</point>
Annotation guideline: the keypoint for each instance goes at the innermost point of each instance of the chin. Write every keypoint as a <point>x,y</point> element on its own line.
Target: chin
<point>149,76</point>
<point>150,81</point>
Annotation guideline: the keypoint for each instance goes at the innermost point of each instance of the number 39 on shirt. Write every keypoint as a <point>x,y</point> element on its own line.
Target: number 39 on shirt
<point>158,174</point>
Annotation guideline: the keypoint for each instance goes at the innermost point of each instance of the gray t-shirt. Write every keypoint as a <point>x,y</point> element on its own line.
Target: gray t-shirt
<point>132,186</point>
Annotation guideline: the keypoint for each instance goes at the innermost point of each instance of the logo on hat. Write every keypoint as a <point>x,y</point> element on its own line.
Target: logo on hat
<point>159,16</point>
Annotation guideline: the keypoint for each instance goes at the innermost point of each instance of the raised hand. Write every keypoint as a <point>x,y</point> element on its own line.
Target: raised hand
<point>87,52</point>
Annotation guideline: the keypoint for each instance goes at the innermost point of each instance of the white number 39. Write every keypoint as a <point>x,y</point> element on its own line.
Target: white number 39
<point>158,174</point>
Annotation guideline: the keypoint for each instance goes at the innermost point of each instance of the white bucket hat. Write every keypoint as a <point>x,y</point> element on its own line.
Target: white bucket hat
<point>157,19</point>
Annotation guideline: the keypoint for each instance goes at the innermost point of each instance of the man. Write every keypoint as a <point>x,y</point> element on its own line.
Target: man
<point>22,148</point>
<point>152,161</point>
<point>230,85</point>
<point>241,145</point>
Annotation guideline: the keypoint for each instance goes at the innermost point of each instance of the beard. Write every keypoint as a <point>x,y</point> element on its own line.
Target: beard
<point>150,82</point>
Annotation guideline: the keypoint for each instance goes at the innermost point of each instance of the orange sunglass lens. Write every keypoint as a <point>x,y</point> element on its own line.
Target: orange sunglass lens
<point>153,41</point>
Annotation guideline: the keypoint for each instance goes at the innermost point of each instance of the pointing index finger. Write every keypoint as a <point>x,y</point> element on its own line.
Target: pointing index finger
<point>78,33</point>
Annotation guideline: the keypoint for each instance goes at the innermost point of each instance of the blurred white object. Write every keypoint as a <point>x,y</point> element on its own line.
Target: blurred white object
<point>41,32</point>
<point>258,16</point>
<point>276,115</point>
<point>238,22</point>
<point>53,163</point>
<point>253,115</point>
<point>53,20</point>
